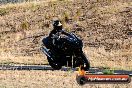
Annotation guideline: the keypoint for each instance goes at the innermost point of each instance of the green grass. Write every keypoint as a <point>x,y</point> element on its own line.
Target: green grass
<point>3,11</point>
<point>25,25</point>
<point>108,71</point>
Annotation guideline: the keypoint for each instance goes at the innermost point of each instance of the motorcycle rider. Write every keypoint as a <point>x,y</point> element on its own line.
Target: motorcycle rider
<point>55,36</point>
<point>55,33</point>
<point>57,28</point>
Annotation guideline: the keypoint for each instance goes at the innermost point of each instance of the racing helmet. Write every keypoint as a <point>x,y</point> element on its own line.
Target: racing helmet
<point>57,24</point>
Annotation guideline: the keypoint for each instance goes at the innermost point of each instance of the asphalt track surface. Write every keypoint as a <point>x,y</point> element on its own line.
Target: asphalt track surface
<point>47,67</point>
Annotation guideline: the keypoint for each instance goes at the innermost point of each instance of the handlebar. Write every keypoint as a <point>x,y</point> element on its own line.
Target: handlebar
<point>56,36</point>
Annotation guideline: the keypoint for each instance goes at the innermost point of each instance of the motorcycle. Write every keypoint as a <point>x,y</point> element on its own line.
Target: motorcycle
<point>65,50</point>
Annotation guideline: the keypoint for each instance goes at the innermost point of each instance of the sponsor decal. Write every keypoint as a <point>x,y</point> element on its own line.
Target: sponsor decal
<point>83,78</point>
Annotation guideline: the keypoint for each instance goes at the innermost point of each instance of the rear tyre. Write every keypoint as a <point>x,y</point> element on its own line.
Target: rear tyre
<point>86,62</point>
<point>83,61</point>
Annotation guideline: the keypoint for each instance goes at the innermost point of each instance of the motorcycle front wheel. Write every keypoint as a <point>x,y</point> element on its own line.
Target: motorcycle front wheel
<point>54,65</point>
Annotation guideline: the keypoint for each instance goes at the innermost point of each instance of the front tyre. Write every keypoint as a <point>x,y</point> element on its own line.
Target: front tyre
<point>54,65</point>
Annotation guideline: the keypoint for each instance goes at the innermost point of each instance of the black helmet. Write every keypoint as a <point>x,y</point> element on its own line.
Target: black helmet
<point>57,24</point>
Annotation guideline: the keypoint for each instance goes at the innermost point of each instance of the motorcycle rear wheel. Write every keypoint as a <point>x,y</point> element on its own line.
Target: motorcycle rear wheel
<point>83,61</point>
<point>86,62</point>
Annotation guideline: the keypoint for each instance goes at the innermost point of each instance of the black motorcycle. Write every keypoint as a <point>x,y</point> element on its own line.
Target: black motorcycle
<point>64,50</point>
